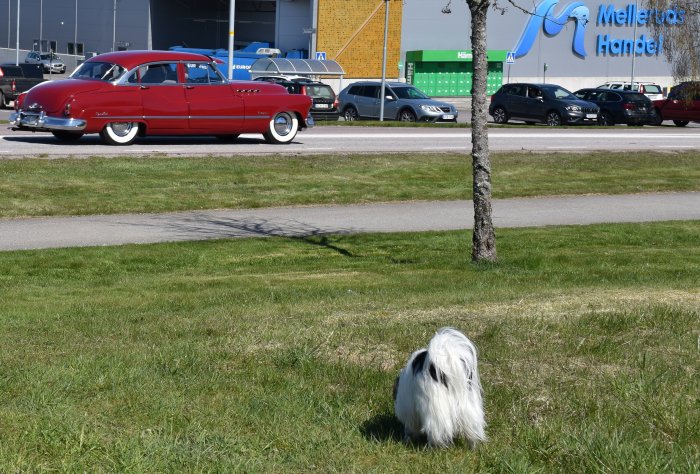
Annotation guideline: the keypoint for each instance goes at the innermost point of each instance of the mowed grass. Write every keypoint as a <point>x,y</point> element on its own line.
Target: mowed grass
<point>41,187</point>
<point>279,355</point>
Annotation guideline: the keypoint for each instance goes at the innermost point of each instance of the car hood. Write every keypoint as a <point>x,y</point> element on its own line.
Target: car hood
<point>51,96</point>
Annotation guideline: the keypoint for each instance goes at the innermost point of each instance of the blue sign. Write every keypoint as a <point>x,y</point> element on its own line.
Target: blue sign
<point>544,18</point>
<point>320,55</point>
<point>510,57</point>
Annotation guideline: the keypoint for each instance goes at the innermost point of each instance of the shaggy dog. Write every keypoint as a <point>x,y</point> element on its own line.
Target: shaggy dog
<point>437,396</point>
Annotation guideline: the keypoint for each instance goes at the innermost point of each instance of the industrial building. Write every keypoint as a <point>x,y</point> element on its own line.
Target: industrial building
<point>572,43</point>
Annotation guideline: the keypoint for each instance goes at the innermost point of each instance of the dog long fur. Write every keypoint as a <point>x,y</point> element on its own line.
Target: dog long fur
<point>438,394</point>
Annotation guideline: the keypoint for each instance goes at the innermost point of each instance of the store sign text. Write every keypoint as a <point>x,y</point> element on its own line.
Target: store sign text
<point>609,45</point>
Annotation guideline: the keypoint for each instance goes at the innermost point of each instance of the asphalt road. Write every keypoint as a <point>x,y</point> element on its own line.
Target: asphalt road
<point>343,139</point>
<point>38,233</point>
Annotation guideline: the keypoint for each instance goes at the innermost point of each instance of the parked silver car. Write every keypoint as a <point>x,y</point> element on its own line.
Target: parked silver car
<point>49,61</point>
<point>402,102</point>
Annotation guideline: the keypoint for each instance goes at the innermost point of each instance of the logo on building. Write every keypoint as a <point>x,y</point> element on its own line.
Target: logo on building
<point>543,18</point>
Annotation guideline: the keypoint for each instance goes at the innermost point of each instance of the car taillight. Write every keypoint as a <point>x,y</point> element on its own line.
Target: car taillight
<point>19,101</point>
<point>303,90</point>
<point>14,86</point>
<point>1,73</point>
<point>628,106</point>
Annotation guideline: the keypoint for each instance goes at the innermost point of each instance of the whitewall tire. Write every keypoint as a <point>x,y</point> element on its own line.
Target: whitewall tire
<point>120,133</point>
<point>282,128</point>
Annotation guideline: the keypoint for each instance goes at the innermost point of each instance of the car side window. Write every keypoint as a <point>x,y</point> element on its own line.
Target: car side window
<point>533,92</point>
<point>515,90</point>
<point>202,73</point>
<point>371,91</point>
<point>161,73</point>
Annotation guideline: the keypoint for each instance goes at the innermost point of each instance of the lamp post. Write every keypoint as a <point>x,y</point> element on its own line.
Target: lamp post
<point>231,20</point>
<point>17,41</point>
<point>114,26</point>
<point>634,44</point>
<point>75,31</point>
<point>381,93</point>
<point>41,26</point>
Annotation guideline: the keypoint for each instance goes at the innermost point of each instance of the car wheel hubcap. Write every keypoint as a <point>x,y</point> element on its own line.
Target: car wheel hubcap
<point>122,129</point>
<point>283,124</point>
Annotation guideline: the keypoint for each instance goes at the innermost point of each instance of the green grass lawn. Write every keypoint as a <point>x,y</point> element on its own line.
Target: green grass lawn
<point>278,355</point>
<point>37,187</point>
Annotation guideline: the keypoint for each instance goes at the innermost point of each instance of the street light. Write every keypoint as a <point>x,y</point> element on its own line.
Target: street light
<point>41,25</point>
<point>75,31</point>
<point>381,94</point>
<point>114,26</point>
<point>634,44</point>
<point>17,44</point>
<point>9,13</point>
<point>231,20</point>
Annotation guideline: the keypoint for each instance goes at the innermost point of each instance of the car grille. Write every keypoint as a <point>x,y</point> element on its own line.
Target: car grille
<point>445,109</point>
<point>589,110</point>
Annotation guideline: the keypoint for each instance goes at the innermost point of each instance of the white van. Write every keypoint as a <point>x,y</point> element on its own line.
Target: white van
<point>649,89</point>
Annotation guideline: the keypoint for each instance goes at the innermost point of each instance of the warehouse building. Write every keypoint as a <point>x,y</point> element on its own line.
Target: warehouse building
<point>572,43</point>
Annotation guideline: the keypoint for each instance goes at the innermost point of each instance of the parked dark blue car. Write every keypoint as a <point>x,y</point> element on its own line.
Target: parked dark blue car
<point>619,106</point>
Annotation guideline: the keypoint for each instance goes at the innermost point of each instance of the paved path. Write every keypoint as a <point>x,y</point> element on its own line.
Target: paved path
<point>37,233</point>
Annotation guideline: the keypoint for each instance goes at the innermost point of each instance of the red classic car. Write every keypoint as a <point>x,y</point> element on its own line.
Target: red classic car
<point>127,94</point>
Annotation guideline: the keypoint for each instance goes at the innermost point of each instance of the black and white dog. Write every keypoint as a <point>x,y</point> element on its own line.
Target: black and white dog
<point>437,395</point>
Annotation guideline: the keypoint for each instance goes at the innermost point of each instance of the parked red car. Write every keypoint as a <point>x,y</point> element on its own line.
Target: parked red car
<point>127,94</point>
<point>682,105</point>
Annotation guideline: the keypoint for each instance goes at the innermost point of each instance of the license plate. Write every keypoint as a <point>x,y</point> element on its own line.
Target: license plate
<point>448,117</point>
<point>591,116</point>
<point>321,106</point>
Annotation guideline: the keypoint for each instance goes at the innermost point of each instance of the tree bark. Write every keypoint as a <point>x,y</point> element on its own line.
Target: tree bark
<point>484,236</point>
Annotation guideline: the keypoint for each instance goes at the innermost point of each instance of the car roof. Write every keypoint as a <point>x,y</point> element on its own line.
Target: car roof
<point>131,59</point>
<point>389,83</point>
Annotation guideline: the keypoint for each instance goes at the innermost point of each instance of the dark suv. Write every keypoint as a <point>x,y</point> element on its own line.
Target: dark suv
<point>619,106</point>
<point>546,103</point>
<point>325,102</point>
<point>682,105</point>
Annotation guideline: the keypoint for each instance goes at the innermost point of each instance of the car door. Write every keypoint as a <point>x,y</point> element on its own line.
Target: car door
<point>368,101</point>
<point>162,97</point>
<point>533,106</point>
<point>213,105</point>
<point>516,103</point>
<point>391,103</point>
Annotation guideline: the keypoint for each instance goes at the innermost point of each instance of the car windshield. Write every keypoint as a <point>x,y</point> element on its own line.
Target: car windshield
<point>651,89</point>
<point>320,91</point>
<point>560,93</point>
<point>49,56</point>
<point>409,93</point>
<point>98,70</point>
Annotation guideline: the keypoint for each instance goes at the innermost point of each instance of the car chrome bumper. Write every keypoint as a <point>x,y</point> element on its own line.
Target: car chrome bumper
<point>42,122</point>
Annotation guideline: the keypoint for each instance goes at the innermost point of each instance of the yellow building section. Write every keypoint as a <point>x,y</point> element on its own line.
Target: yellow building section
<point>352,33</point>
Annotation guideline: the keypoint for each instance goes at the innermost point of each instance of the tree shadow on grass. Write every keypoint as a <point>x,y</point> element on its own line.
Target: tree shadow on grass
<point>382,427</point>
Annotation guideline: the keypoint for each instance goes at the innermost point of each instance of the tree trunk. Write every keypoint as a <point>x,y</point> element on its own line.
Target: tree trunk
<point>484,237</point>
